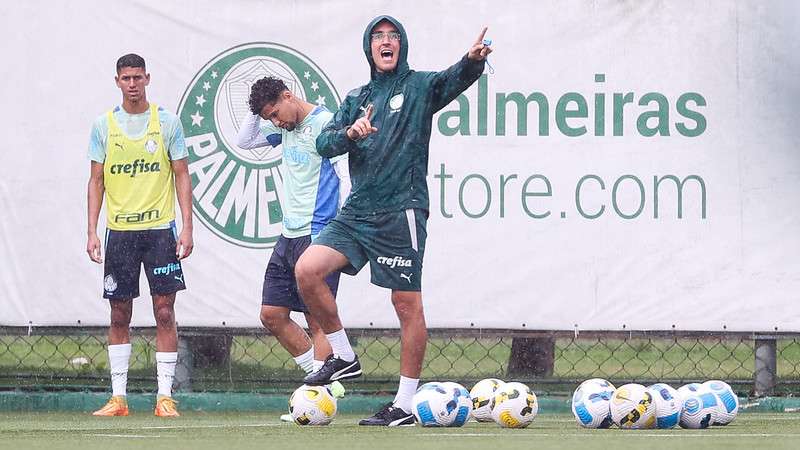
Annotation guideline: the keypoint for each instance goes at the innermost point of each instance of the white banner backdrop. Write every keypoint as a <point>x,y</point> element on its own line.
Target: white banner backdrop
<point>554,181</point>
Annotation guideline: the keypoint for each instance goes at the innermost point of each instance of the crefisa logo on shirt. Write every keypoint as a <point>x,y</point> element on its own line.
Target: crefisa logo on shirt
<point>236,192</point>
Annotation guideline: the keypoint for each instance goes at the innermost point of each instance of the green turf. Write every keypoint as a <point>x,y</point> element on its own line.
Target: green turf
<point>263,431</point>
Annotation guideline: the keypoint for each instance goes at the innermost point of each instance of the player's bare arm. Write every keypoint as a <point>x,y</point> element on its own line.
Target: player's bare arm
<point>95,190</point>
<point>183,187</point>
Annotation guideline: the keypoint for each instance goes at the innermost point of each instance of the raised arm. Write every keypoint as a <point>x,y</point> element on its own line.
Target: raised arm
<point>449,83</point>
<point>334,139</point>
<point>250,135</point>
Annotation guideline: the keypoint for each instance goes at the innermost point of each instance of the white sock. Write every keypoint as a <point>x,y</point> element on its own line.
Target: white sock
<point>165,370</point>
<point>405,393</point>
<point>341,345</point>
<point>306,361</point>
<point>318,364</point>
<point>118,356</point>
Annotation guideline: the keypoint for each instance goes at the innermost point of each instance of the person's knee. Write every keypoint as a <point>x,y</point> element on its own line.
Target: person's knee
<point>120,315</point>
<point>273,318</point>
<point>408,306</point>
<point>164,315</point>
<point>305,273</point>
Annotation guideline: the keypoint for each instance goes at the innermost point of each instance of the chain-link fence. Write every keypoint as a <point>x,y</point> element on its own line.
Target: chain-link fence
<point>249,360</point>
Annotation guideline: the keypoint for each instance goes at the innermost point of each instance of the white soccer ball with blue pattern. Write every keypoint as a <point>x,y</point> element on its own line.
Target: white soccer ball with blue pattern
<point>482,395</point>
<point>515,406</point>
<point>728,406</point>
<point>668,405</point>
<point>591,403</point>
<point>462,402</point>
<point>441,405</point>
<point>689,389</point>
<point>632,407</point>
<point>699,409</point>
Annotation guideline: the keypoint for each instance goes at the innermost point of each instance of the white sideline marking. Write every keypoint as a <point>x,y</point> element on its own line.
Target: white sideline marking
<point>167,427</point>
<point>123,436</point>
<point>634,434</point>
<point>189,427</point>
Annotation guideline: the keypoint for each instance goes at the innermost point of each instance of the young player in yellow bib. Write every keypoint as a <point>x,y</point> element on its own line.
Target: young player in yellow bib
<point>138,163</point>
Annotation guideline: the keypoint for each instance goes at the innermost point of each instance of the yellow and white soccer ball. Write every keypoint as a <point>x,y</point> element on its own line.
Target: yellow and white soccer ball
<point>728,406</point>
<point>482,395</point>
<point>632,407</point>
<point>591,403</point>
<point>312,405</point>
<point>515,405</point>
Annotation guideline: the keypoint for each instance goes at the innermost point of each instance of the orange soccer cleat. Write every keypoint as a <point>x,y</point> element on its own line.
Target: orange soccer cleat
<point>165,407</point>
<point>116,406</point>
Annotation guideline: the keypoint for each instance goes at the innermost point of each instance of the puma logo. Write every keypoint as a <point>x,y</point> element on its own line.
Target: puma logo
<point>407,277</point>
<point>117,144</point>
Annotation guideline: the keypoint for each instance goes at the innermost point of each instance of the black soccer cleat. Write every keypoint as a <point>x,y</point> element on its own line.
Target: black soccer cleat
<point>389,416</point>
<point>334,369</point>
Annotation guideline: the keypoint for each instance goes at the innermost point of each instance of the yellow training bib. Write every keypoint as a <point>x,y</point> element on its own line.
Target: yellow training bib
<point>137,174</point>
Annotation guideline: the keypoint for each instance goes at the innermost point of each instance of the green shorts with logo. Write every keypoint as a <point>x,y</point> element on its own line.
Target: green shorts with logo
<point>393,243</point>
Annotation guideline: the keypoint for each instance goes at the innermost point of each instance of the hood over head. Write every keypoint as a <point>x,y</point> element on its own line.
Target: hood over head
<point>402,59</point>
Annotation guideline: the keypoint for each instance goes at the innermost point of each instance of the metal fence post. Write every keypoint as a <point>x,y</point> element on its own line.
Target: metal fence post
<point>183,370</point>
<point>766,366</point>
<point>532,357</point>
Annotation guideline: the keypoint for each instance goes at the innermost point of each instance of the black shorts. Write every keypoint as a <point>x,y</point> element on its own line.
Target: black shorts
<point>280,285</point>
<point>127,251</point>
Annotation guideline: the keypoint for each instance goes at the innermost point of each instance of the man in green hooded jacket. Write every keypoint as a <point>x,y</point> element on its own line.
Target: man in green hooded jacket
<point>385,127</point>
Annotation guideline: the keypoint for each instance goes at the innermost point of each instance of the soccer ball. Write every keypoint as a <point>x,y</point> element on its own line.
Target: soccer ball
<point>590,403</point>
<point>668,405</point>
<point>728,406</point>
<point>515,405</point>
<point>699,409</point>
<point>688,389</point>
<point>482,395</point>
<point>312,405</point>
<point>632,407</point>
<point>461,401</point>
<point>441,405</point>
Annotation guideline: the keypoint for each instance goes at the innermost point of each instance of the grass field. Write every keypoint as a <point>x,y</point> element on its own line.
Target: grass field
<point>202,431</point>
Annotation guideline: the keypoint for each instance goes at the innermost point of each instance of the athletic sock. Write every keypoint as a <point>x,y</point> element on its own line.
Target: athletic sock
<point>306,361</point>
<point>405,393</point>
<point>165,369</point>
<point>341,345</point>
<point>118,356</point>
<point>318,364</point>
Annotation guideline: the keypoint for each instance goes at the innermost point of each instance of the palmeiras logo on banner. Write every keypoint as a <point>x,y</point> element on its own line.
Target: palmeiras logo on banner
<point>237,192</point>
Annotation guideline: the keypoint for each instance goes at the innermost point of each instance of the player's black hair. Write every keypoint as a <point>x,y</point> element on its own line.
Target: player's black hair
<point>264,92</point>
<point>130,60</point>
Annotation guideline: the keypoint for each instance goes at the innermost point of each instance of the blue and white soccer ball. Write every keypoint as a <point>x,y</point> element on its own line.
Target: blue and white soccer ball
<point>462,402</point>
<point>700,409</point>
<point>482,395</point>
<point>591,403</point>
<point>441,405</point>
<point>688,389</point>
<point>515,406</point>
<point>632,407</point>
<point>668,405</point>
<point>728,406</point>
<point>312,405</point>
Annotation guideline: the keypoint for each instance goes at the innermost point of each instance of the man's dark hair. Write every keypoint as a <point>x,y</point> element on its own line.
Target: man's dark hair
<point>130,60</point>
<point>264,92</point>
